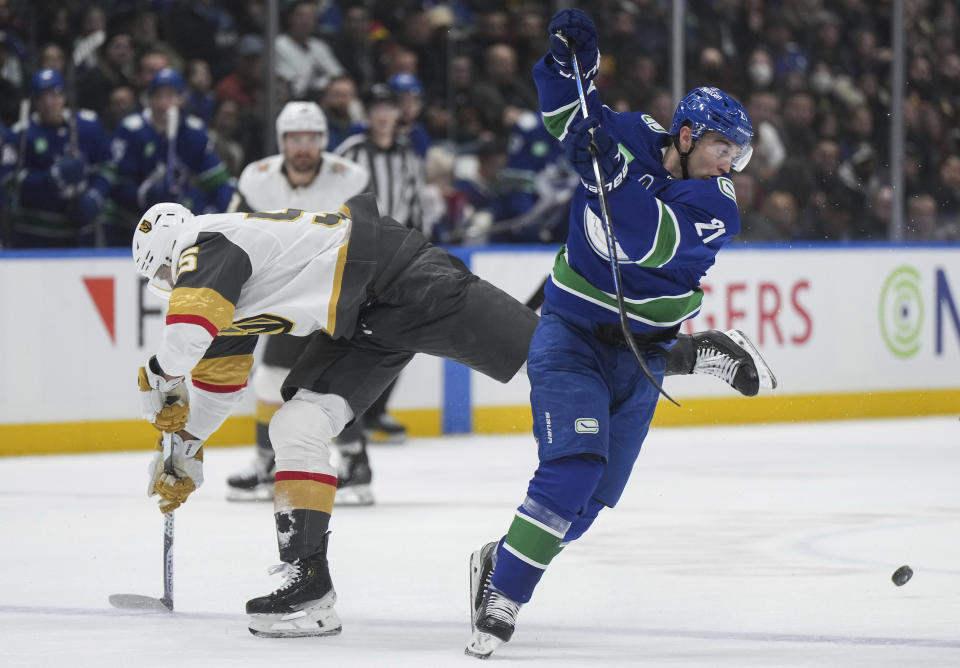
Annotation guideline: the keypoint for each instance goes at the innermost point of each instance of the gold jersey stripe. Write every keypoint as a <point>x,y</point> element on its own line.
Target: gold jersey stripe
<point>304,495</point>
<point>203,302</point>
<point>231,370</point>
<point>335,291</point>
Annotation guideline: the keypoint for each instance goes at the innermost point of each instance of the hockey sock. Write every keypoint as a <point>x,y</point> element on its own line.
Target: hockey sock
<point>302,505</point>
<point>264,412</point>
<point>557,494</point>
<point>583,521</point>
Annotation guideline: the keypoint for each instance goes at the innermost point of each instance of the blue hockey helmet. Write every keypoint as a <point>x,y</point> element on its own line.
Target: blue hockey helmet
<point>47,79</point>
<point>405,83</point>
<point>709,109</point>
<point>167,78</point>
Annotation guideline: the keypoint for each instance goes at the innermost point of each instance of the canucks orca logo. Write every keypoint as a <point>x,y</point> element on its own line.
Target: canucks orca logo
<point>265,323</point>
<point>145,226</point>
<point>593,228</point>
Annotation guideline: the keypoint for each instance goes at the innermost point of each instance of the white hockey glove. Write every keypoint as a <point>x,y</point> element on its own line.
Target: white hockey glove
<point>187,472</point>
<point>163,403</point>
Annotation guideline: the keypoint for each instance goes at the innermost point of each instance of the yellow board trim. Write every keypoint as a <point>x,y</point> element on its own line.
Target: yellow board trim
<point>743,410</point>
<point>78,437</point>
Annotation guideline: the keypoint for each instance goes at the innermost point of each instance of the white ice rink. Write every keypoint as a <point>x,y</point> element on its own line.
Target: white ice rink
<point>747,546</point>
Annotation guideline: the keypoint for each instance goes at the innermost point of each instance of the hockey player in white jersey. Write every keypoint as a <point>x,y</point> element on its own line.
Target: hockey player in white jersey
<point>304,175</point>
<point>377,290</point>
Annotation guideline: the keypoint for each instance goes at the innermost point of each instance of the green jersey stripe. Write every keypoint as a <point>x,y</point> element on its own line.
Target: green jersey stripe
<point>534,540</point>
<point>656,311</point>
<point>667,241</point>
<point>556,121</point>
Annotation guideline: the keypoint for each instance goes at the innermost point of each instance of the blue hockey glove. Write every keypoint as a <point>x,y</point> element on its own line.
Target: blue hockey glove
<point>87,206</point>
<point>613,168</point>
<point>67,171</point>
<point>156,193</point>
<point>576,27</point>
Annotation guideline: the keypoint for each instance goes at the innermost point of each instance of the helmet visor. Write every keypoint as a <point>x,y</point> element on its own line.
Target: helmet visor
<point>738,156</point>
<point>162,282</point>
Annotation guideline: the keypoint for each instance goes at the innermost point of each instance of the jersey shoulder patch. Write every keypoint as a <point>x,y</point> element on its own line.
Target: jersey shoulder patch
<point>194,122</point>
<point>725,185</point>
<point>133,122</point>
<point>651,123</point>
<point>87,115</point>
<point>528,121</point>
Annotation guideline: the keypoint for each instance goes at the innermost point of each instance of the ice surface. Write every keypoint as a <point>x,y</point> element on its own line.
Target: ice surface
<point>735,546</point>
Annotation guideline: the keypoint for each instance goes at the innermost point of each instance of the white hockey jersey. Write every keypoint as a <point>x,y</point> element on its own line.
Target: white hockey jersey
<point>264,187</point>
<point>241,274</point>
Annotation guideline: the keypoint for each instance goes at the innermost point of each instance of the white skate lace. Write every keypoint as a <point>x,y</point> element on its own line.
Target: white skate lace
<point>291,573</point>
<point>713,362</point>
<point>501,607</point>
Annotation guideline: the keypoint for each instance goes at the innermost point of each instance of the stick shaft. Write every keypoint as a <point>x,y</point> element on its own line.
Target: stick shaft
<point>167,599</point>
<point>173,121</point>
<point>612,240</point>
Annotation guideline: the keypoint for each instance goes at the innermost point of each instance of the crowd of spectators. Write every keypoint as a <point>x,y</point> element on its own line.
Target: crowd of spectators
<point>813,74</point>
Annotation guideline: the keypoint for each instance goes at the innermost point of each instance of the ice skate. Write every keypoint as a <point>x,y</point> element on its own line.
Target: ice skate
<point>733,358</point>
<point>354,474</point>
<point>493,615</point>
<point>254,483</point>
<point>301,607</point>
<point>384,429</point>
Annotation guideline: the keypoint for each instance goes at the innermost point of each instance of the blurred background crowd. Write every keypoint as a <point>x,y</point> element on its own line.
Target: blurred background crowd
<point>813,74</point>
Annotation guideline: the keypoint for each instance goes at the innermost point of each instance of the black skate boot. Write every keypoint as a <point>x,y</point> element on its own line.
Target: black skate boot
<point>255,483</point>
<point>384,429</point>
<point>493,615</point>
<point>354,475</point>
<point>302,606</point>
<point>732,357</point>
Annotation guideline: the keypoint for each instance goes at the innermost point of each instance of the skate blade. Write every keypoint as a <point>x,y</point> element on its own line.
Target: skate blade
<point>319,620</point>
<point>764,374</point>
<point>482,645</point>
<point>259,493</point>
<point>355,495</point>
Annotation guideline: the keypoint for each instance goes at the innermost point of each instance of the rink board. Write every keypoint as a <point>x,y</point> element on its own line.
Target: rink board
<point>850,331</point>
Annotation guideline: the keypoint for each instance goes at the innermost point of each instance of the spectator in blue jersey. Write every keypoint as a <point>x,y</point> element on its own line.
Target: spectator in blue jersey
<point>56,167</point>
<point>410,98</point>
<point>673,208</point>
<point>537,184</point>
<point>147,169</point>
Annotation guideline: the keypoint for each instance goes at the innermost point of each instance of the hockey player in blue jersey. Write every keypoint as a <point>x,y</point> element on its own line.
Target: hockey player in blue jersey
<point>538,182</point>
<point>55,164</point>
<point>148,170</point>
<point>673,208</point>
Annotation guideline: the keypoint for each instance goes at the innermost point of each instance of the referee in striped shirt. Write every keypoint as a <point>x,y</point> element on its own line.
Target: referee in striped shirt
<point>397,178</point>
<point>396,170</point>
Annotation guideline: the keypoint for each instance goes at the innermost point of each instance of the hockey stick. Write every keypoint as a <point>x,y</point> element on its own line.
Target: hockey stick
<point>173,120</point>
<point>140,601</point>
<point>608,233</point>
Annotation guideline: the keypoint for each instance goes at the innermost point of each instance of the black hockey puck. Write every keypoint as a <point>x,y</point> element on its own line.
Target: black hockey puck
<point>902,576</point>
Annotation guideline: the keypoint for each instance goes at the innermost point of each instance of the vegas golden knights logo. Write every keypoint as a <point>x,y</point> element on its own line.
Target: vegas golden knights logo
<point>258,324</point>
<point>145,226</point>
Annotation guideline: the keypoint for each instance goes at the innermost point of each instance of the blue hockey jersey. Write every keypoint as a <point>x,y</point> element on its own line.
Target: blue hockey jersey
<point>140,160</point>
<point>43,207</point>
<point>668,231</point>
